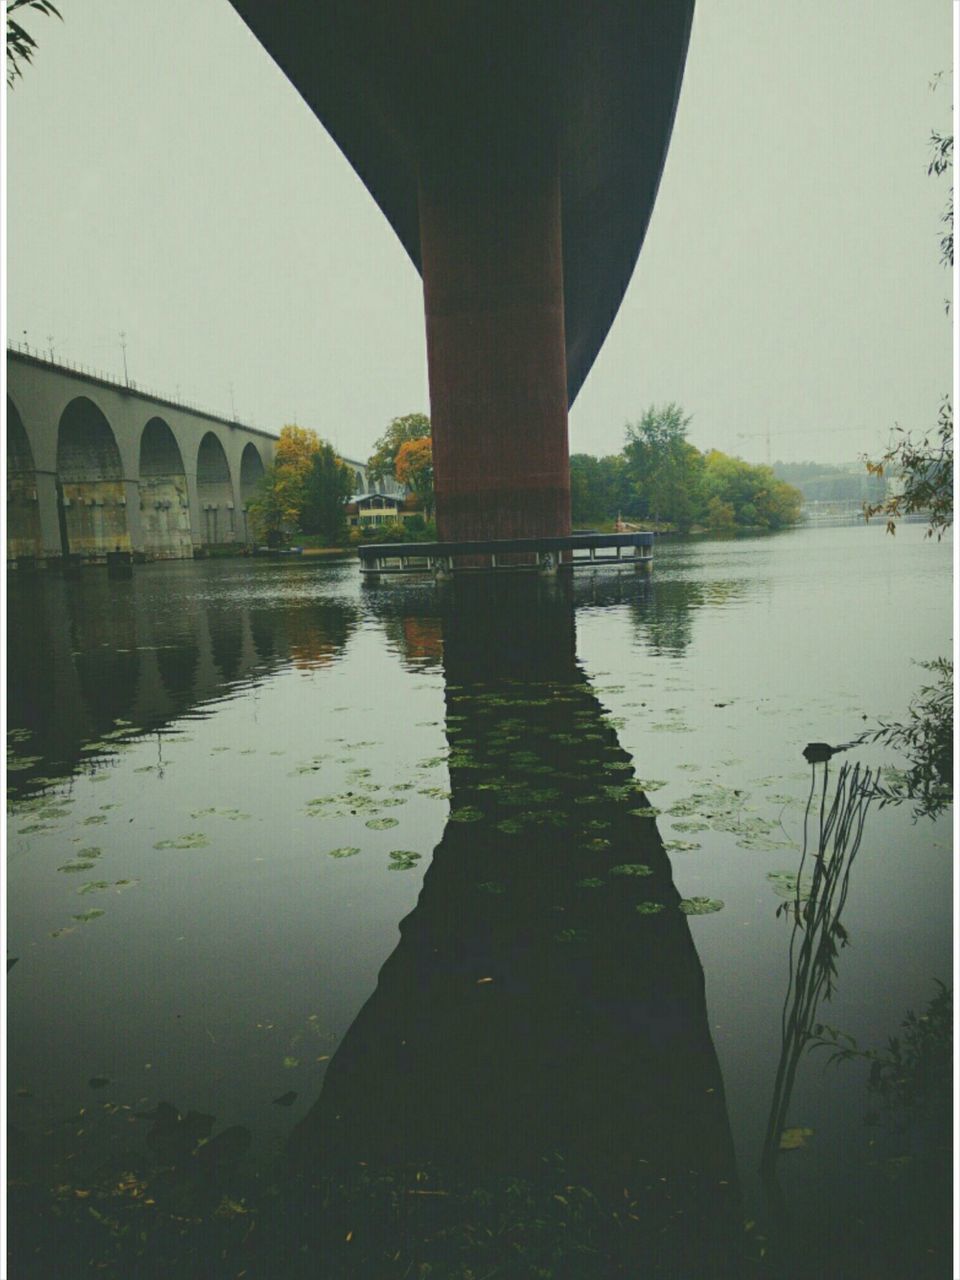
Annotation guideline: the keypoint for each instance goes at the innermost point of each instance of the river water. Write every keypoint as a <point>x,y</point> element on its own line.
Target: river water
<point>232,781</point>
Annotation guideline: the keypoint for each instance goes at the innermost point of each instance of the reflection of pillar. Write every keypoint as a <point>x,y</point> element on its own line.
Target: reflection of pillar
<point>490,232</point>
<point>49,517</point>
<point>545,1000</point>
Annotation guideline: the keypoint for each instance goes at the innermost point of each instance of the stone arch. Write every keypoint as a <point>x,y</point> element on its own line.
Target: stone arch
<point>215,492</point>
<point>251,473</point>
<point>90,494</point>
<point>164,504</point>
<point>23,512</point>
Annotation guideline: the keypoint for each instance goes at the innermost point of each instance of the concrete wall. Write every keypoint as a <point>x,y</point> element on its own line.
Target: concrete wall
<point>93,465</point>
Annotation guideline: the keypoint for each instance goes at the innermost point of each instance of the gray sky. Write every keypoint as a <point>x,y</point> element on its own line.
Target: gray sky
<point>166,180</point>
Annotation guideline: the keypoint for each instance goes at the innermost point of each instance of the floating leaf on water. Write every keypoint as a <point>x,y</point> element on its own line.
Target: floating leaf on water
<point>794,1139</point>
<point>193,840</point>
<point>94,820</point>
<point>646,811</point>
<point>94,886</point>
<point>681,846</point>
<point>15,763</point>
<point>591,882</point>
<point>391,802</point>
<point>649,784</point>
<point>784,885</point>
<point>436,793</point>
<point>71,867</point>
<point>381,824</point>
<point>466,813</point>
<point>649,908</point>
<point>345,851</point>
<point>32,828</point>
<point>86,916</point>
<point>700,906</point>
<point>691,824</point>
<point>291,1062</point>
<point>632,869</point>
<point>286,1099</point>
<point>510,826</point>
<point>597,843</point>
<point>571,935</point>
<point>617,766</point>
<point>402,786</point>
<point>432,762</point>
<point>402,859</point>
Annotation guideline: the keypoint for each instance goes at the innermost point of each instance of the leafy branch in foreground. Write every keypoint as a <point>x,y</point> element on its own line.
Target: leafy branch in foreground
<point>927,740</point>
<point>925,467</point>
<point>20,43</point>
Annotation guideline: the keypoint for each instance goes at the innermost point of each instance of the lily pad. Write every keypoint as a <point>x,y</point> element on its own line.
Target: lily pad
<point>681,846</point>
<point>646,811</point>
<point>794,1139</point>
<point>649,908</point>
<point>632,869</point>
<point>403,859</point>
<point>690,825</point>
<point>785,885</point>
<point>700,906</point>
<point>193,840</point>
<point>86,916</point>
<point>591,882</point>
<point>466,813</point>
<point>345,851</point>
<point>94,886</point>
<point>381,824</point>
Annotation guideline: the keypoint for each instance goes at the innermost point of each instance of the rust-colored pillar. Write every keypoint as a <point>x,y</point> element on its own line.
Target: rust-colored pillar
<point>491,246</point>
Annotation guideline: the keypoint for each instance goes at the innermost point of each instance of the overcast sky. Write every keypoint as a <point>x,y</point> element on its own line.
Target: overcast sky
<point>166,180</point>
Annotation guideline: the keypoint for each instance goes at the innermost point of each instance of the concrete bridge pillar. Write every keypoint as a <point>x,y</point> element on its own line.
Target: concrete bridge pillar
<point>491,244</point>
<point>49,515</point>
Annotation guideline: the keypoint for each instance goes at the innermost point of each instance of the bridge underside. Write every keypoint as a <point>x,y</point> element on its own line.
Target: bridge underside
<point>516,150</point>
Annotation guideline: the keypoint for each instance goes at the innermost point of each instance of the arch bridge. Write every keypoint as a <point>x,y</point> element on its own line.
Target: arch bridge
<point>94,466</point>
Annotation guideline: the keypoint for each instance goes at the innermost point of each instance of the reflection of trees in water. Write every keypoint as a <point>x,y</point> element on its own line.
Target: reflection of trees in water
<point>262,633</point>
<point>545,1002</point>
<point>103,637</point>
<point>177,664</point>
<point>316,636</point>
<point>226,640</point>
<point>663,610</point>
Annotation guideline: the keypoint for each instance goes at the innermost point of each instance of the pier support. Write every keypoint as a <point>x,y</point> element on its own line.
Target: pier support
<point>490,236</point>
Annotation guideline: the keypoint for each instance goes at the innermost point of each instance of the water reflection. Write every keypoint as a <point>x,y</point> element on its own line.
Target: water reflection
<point>545,1005</point>
<point>93,657</point>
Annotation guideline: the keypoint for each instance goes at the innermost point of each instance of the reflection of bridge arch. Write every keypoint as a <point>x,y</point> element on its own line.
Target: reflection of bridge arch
<point>92,502</point>
<point>215,492</point>
<point>23,517</point>
<point>164,504</point>
<point>251,473</point>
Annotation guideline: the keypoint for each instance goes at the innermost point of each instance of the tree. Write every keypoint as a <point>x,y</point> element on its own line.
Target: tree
<point>925,470</point>
<point>925,466</point>
<point>413,466</point>
<point>664,470</point>
<point>282,494</point>
<point>382,462</point>
<point>327,486</point>
<point>599,488</point>
<point>20,43</point>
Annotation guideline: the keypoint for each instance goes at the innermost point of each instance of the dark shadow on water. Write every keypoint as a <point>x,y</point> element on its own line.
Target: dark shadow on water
<point>543,1016</point>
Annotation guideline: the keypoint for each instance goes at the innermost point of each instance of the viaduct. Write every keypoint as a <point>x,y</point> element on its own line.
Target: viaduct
<point>95,465</point>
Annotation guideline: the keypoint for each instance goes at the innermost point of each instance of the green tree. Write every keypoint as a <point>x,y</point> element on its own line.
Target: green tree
<point>665,471</point>
<point>753,494</point>
<point>327,486</point>
<point>382,462</point>
<point>20,43</point>
<point>599,488</point>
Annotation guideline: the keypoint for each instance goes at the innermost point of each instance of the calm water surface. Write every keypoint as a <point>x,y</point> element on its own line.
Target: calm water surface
<point>232,781</point>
